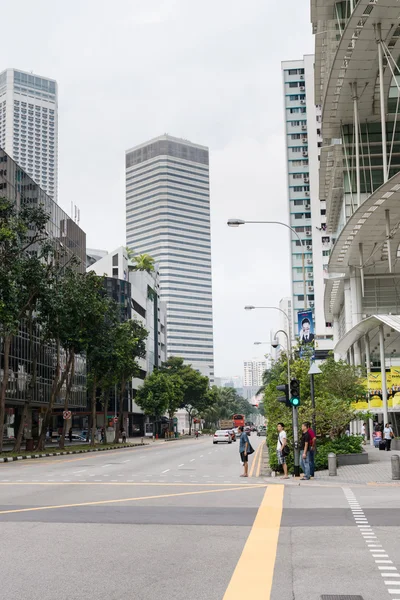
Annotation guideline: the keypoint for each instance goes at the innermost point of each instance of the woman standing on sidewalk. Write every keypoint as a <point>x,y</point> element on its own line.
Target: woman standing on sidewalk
<point>388,435</point>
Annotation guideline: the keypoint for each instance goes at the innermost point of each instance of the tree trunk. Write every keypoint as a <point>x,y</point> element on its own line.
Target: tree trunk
<point>105,417</point>
<point>67,395</point>
<point>58,382</point>
<point>190,421</point>
<point>6,371</point>
<point>92,441</point>
<point>120,423</point>
<point>32,383</point>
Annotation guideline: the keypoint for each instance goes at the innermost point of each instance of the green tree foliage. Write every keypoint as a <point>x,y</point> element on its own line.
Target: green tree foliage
<point>196,396</point>
<point>143,262</point>
<point>335,389</point>
<point>226,402</point>
<point>156,394</point>
<point>129,345</point>
<point>23,247</point>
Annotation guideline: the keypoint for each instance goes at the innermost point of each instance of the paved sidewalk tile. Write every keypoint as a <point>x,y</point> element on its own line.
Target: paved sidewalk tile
<point>377,471</point>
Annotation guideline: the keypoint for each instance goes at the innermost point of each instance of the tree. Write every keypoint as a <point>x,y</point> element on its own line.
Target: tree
<point>335,390</point>
<point>130,344</point>
<point>156,394</point>
<point>23,242</point>
<point>142,262</point>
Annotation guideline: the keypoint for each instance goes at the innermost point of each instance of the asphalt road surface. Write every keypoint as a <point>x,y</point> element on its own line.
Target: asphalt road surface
<point>175,520</point>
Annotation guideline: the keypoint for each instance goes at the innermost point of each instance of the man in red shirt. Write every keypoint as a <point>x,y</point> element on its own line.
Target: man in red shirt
<point>313,441</point>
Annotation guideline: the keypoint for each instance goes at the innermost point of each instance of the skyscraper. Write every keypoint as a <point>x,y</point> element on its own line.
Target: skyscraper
<point>29,125</point>
<point>307,213</point>
<point>168,217</point>
<point>253,372</point>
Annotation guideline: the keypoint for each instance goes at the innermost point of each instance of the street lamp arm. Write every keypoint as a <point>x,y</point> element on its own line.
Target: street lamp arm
<point>273,308</point>
<point>277,223</point>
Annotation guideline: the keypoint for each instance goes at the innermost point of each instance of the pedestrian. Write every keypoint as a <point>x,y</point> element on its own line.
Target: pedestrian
<point>70,434</point>
<point>313,444</point>
<point>388,435</point>
<point>196,433</point>
<point>364,432</point>
<point>244,451</point>
<point>102,434</point>
<point>305,452</point>
<point>123,435</point>
<point>280,449</point>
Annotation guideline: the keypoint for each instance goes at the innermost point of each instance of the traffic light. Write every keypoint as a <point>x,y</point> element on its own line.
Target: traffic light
<point>295,393</point>
<point>284,388</point>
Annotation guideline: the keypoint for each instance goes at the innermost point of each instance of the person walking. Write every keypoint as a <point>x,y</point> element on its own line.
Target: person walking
<point>305,452</point>
<point>388,435</point>
<point>280,449</point>
<point>313,444</point>
<point>244,451</point>
<point>70,435</point>
<point>123,435</point>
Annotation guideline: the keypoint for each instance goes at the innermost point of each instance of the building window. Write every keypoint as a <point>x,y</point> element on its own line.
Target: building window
<point>293,84</point>
<point>292,71</point>
<point>298,215</point>
<point>115,260</point>
<point>297,176</point>
<point>295,136</point>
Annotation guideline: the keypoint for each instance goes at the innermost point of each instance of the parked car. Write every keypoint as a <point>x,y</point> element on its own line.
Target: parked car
<point>222,435</point>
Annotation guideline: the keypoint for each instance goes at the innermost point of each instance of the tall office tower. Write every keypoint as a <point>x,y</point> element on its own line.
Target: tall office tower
<point>168,217</point>
<point>253,372</point>
<point>306,210</point>
<point>29,125</point>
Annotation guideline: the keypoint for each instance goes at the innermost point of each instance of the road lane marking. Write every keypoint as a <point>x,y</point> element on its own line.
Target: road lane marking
<point>136,498</point>
<point>192,459</point>
<point>166,471</point>
<point>181,465</point>
<point>253,464</point>
<point>257,562</point>
<point>82,471</point>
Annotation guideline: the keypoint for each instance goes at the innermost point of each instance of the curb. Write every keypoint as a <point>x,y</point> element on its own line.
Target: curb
<point>63,453</point>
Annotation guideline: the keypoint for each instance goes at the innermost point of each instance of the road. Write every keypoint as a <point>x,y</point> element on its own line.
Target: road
<point>175,520</point>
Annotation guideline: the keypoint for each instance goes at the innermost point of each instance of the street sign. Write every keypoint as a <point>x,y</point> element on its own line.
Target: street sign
<point>67,415</point>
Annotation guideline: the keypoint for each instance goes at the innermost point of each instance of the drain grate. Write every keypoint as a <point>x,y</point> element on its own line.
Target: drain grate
<point>341,597</point>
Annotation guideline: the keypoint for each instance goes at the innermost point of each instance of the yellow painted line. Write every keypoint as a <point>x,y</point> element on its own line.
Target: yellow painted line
<point>256,564</point>
<point>119,500</point>
<point>253,464</point>
<point>260,461</point>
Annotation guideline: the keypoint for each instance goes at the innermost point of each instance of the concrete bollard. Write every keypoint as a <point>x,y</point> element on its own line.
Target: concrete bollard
<point>395,467</point>
<point>332,464</point>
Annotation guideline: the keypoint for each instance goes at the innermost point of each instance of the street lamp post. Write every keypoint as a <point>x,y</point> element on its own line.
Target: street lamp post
<point>295,416</point>
<point>238,222</point>
<point>314,370</point>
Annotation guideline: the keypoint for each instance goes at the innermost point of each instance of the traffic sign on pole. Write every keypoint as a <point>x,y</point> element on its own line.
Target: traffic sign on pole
<point>116,419</point>
<point>67,415</point>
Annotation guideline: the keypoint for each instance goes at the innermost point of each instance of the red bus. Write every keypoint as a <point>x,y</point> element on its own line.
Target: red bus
<point>238,420</point>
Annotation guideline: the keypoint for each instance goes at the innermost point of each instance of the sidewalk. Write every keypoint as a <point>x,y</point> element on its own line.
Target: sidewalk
<point>377,471</point>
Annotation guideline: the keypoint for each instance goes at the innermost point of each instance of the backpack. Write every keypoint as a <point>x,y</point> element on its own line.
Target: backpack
<point>285,450</point>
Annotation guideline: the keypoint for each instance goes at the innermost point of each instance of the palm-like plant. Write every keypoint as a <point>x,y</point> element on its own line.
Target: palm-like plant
<point>142,262</point>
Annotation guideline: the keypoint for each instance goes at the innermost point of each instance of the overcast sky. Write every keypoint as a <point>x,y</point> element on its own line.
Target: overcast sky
<point>208,71</point>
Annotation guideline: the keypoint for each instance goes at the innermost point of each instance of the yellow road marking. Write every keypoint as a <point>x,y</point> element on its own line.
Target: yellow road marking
<point>256,564</point>
<point>260,460</point>
<point>253,464</point>
<point>119,500</point>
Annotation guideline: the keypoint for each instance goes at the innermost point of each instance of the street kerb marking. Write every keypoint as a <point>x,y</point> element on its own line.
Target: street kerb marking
<point>257,562</point>
<point>133,483</point>
<point>119,500</point>
<point>259,462</point>
<point>253,464</point>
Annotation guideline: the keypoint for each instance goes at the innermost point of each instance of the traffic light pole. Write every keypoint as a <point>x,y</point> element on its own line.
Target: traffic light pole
<point>295,414</point>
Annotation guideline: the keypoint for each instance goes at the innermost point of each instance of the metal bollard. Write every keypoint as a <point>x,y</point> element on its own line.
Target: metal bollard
<point>395,466</point>
<point>332,464</point>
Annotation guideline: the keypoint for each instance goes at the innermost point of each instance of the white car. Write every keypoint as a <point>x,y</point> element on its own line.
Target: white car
<point>222,435</point>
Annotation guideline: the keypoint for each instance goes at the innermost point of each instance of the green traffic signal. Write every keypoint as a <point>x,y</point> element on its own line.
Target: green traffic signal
<point>295,392</point>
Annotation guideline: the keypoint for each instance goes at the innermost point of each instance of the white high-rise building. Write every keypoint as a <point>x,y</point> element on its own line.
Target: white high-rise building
<point>307,213</point>
<point>29,125</point>
<point>168,217</point>
<point>253,372</point>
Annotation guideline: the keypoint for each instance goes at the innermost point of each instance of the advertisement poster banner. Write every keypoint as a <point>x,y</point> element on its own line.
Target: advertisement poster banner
<point>305,327</point>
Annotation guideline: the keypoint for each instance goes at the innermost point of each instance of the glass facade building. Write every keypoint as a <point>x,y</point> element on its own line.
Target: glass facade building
<point>17,186</point>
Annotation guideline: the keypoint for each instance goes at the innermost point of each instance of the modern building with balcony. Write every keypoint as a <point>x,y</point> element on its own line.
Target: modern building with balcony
<point>357,52</point>
<point>306,212</point>
<point>138,295</point>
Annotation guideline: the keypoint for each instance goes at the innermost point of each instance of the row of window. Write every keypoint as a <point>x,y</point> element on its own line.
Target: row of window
<point>134,186</point>
<point>201,304</point>
<point>158,211</point>
<point>300,188</point>
<point>295,71</point>
<point>297,109</point>
<point>160,167</point>
<point>294,97</point>
<point>166,191</point>
<point>136,239</point>
<point>183,220</point>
